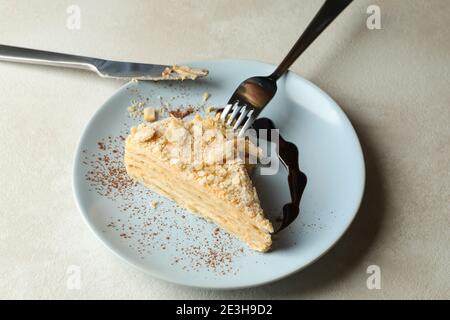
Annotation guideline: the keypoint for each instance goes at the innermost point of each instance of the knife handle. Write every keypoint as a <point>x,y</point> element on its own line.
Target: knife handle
<point>32,56</point>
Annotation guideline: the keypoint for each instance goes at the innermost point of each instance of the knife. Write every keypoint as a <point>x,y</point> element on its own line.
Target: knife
<point>104,68</point>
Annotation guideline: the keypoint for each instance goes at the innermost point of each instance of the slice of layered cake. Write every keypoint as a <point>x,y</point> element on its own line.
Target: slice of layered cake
<point>202,168</point>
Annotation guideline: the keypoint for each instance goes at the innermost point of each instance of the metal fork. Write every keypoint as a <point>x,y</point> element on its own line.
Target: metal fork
<point>255,93</point>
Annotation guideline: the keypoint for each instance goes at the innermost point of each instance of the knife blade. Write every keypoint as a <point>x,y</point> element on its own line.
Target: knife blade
<point>104,68</point>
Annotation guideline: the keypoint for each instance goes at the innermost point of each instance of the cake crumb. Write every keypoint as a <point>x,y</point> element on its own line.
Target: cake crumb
<point>154,204</point>
<point>183,72</point>
<point>210,109</point>
<point>149,114</point>
<point>136,109</point>
<point>205,96</point>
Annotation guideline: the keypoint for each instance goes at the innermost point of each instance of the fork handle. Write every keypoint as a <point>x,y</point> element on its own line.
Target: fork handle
<point>25,55</point>
<point>329,11</point>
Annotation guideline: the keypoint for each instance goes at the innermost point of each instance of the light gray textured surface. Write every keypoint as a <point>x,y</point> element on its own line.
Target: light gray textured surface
<point>392,83</point>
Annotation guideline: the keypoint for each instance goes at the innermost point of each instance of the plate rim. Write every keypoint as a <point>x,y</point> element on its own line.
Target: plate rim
<point>120,90</point>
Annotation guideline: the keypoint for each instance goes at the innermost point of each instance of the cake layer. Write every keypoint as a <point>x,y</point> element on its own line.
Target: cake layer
<point>189,195</point>
<point>163,156</point>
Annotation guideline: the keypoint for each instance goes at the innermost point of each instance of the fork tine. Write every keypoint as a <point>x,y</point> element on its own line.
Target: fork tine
<point>225,112</point>
<point>247,124</point>
<point>241,117</point>
<point>236,109</point>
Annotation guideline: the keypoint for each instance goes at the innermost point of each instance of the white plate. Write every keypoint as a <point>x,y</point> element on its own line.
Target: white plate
<point>171,244</point>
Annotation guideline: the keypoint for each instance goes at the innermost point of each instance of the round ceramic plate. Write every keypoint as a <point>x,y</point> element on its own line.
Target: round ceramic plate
<point>168,242</point>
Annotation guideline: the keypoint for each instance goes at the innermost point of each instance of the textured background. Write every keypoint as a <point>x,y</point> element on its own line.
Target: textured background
<point>392,83</point>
